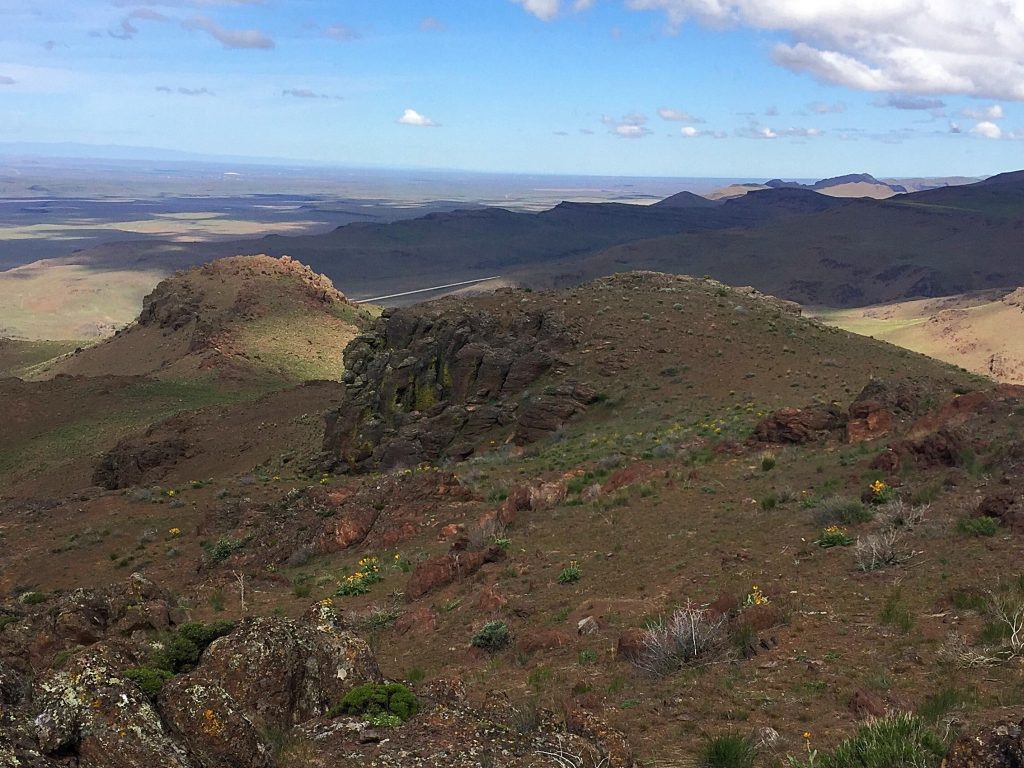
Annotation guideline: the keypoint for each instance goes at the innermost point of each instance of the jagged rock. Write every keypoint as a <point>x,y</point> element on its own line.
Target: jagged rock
<point>431,382</point>
<point>127,463</point>
<point>1002,505</point>
<point>999,746</point>
<point>869,420</point>
<point>631,645</point>
<point>442,570</point>
<point>91,711</point>
<point>941,449</point>
<point>796,425</point>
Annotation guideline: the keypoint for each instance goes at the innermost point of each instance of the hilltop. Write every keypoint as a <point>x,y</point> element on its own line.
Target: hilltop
<point>239,318</point>
<point>570,465</point>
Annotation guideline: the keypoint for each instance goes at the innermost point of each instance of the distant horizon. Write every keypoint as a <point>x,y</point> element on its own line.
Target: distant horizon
<point>137,154</point>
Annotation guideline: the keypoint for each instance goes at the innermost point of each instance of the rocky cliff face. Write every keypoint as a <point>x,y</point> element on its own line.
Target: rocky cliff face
<point>435,382</point>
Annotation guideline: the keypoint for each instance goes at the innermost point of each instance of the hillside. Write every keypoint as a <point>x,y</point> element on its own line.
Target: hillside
<point>575,466</point>
<point>980,331</point>
<point>240,318</point>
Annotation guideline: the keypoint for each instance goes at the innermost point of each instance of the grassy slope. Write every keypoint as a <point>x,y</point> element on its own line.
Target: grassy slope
<point>685,367</point>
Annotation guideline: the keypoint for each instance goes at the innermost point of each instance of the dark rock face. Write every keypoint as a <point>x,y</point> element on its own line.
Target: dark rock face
<point>999,746</point>
<point>796,425</point>
<point>432,382</point>
<point>127,462</point>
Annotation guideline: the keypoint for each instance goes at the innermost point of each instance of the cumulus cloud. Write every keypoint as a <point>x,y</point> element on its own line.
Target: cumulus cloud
<point>821,108</point>
<point>229,38</point>
<point>342,33</point>
<point>987,130</point>
<point>7,80</point>
<point>903,101</point>
<point>631,126</point>
<point>678,116</point>
<point>432,24</point>
<point>412,117</point>
<point>994,112</point>
<point>542,9</point>
<point>546,10</point>
<point>903,46</point>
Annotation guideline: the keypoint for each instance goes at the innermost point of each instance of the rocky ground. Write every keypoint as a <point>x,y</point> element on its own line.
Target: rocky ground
<point>502,506</point>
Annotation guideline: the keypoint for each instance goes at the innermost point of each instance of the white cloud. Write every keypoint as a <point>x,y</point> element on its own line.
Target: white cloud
<point>542,9</point>
<point>904,46</point>
<point>582,5</point>
<point>7,80</point>
<point>412,117</point>
<point>678,116</point>
<point>987,130</point>
<point>755,131</point>
<point>303,93</point>
<point>229,38</point>
<point>432,24</point>
<point>342,33</point>
<point>994,112</point>
<point>689,131</point>
<point>631,126</point>
<point>822,108</point>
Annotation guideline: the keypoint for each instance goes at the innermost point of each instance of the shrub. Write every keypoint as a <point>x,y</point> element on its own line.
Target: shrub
<point>149,679</point>
<point>768,461</point>
<point>224,548</point>
<point>879,550</point>
<point>570,574</point>
<point>359,582</point>
<point>900,740</point>
<point>843,510</point>
<point>687,635</point>
<point>937,706</point>
<point>492,636</point>
<point>378,700</point>
<point>978,526</point>
<point>727,751</point>
<point>182,649</point>
<point>32,598</point>
<point>834,536</point>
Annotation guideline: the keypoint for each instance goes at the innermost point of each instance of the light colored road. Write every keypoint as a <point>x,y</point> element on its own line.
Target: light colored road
<point>425,290</point>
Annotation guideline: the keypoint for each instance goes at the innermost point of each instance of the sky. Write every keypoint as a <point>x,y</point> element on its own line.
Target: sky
<point>681,88</point>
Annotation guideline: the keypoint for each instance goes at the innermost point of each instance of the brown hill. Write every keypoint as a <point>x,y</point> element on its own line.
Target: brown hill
<point>531,565</point>
<point>240,318</point>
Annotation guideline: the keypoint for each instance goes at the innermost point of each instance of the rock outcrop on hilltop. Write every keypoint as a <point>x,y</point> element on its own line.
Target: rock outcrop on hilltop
<point>432,382</point>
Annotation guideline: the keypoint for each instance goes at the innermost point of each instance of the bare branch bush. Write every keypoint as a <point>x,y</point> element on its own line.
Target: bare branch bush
<point>687,635</point>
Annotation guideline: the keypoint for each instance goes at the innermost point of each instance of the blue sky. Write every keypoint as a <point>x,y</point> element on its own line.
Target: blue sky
<point>729,88</point>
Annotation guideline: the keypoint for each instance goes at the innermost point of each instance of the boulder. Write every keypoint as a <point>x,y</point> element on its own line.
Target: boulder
<point>442,570</point>
<point>796,425</point>
<point>998,746</point>
<point>129,462</point>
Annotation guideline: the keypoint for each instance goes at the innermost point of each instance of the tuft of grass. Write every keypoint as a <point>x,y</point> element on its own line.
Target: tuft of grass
<point>896,614</point>
<point>492,636</point>
<point>939,704</point>
<point>900,740</point>
<point>843,510</point>
<point>978,526</point>
<point>728,750</point>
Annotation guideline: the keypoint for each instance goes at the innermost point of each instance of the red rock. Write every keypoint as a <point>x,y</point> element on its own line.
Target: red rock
<point>631,644</point>
<point>866,704</point>
<point>416,622</point>
<point>543,640</point>
<point>443,570</point>
<point>490,600</point>
<point>451,530</point>
<point>760,617</point>
<point>724,605</point>
<point>869,420</point>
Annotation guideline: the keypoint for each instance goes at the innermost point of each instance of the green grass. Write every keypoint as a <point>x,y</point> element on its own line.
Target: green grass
<point>900,740</point>
<point>728,750</point>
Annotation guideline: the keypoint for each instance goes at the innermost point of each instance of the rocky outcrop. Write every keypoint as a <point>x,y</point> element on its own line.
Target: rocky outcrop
<point>999,746</point>
<point>128,462</point>
<point>796,425</point>
<point>433,382</point>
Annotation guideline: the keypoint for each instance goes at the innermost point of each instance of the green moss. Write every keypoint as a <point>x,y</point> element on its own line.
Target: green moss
<point>377,701</point>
